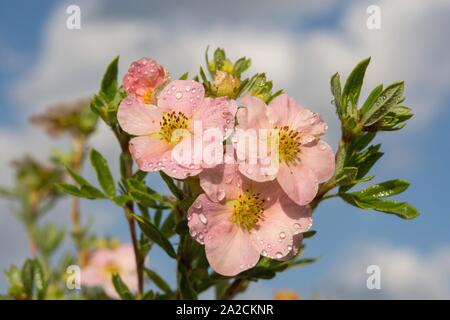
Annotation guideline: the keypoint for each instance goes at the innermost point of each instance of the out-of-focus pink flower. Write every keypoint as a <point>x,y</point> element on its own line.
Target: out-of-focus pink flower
<point>160,130</point>
<point>103,263</point>
<point>143,78</point>
<point>238,220</point>
<point>304,159</point>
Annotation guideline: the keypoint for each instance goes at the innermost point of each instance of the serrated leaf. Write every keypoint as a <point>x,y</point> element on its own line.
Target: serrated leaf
<point>153,233</point>
<point>121,288</point>
<point>389,98</point>
<point>103,172</point>
<point>352,87</point>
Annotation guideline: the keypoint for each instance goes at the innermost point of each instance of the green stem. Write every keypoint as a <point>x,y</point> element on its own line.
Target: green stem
<point>237,286</point>
<point>128,208</point>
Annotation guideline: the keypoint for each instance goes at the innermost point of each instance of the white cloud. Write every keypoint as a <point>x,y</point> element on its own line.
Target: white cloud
<point>405,274</point>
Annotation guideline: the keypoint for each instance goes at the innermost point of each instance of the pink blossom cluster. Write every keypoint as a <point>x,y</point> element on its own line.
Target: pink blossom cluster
<point>245,211</point>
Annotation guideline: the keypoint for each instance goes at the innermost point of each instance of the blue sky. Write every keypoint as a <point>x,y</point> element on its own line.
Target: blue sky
<point>299,44</point>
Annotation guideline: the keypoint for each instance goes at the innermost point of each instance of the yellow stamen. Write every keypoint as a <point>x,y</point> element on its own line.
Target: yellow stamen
<point>248,209</point>
<point>289,144</point>
<point>171,122</point>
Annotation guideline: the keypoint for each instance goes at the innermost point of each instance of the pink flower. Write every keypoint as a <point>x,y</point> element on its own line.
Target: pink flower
<point>142,79</point>
<point>239,219</point>
<point>304,160</point>
<point>103,263</point>
<point>181,104</point>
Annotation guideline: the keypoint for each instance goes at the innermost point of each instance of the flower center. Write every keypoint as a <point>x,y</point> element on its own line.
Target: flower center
<point>110,269</point>
<point>289,144</point>
<point>248,209</point>
<point>148,96</point>
<point>171,122</point>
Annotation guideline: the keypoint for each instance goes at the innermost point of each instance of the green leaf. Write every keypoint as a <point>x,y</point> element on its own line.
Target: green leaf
<point>347,175</point>
<point>153,233</point>
<point>383,190</point>
<point>371,99</point>
<point>77,178</point>
<point>354,82</point>
<point>122,288</point>
<point>241,65</point>
<point>121,200</point>
<point>158,281</point>
<point>39,281</point>
<point>87,192</point>
<point>401,209</point>
<point>14,277</point>
<point>388,99</point>
<point>219,58</point>
<point>171,185</point>
<point>104,175</point>
<point>309,234</point>
<point>27,276</point>
<point>337,91</point>
<point>109,81</point>
<point>70,189</point>
<point>184,76</point>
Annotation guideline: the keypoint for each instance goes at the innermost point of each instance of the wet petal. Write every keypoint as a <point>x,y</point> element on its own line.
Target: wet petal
<point>181,96</point>
<point>136,118</point>
<point>299,182</point>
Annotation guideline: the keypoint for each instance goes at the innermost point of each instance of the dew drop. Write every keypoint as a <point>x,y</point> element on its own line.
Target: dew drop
<point>278,255</point>
<point>203,218</point>
<point>178,95</point>
<point>189,217</point>
<point>188,88</point>
<point>201,236</point>
<point>297,226</point>
<point>289,247</point>
<point>193,233</point>
<point>193,90</point>
<point>322,147</point>
<point>197,205</point>
<point>282,235</point>
<point>264,253</point>
<point>220,195</point>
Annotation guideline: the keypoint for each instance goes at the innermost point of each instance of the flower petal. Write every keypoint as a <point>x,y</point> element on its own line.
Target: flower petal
<point>148,152</point>
<point>299,182</point>
<point>221,182</point>
<point>319,157</point>
<point>253,114</point>
<point>181,96</point>
<point>228,248</point>
<point>217,114</point>
<point>275,234</point>
<point>285,111</point>
<point>136,118</point>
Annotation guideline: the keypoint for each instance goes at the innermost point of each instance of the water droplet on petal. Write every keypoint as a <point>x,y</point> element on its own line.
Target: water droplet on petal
<point>197,205</point>
<point>189,217</point>
<point>264,253</point>
<point>193,233</point>
<point>297,226</point>
<point>201,236</point>
<point>220,195</point>
<point>278,255</point>
<point>289,248</point>
<point>188,88</point>
<point>203,218</point>
<point>282,235</point>
<point>178,95</point>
